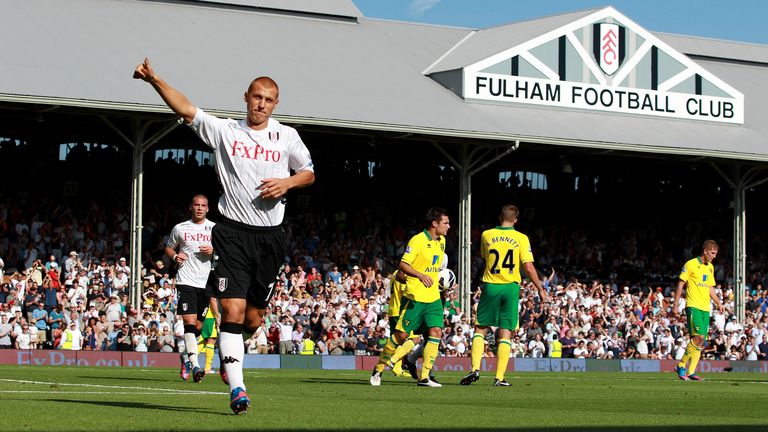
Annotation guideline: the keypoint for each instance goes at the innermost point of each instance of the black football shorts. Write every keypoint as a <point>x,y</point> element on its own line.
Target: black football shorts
<point>246,261</point>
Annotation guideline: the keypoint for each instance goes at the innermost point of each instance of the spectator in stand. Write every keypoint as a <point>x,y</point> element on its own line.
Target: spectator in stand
<point>321,348</point>
<point>314,281</point>
<point>297,336</point>
<point>122,265</point>
<point>334,275</point>
<point>71,338</point>
<point>763,349</point>
<point>140,339</point>
<point>71,264</point>
<point>5,333</point>
<point>286,334</point>
<point>258,344</point>
<point>90,337</point>
<point>335,343</point>
<point>569,344</point>
<point>517,347</point>
<point>40,321</point>
<point>752,349</point>
<point>56,322</point>
<point>114,310</point>
<point>23,338</point>
<point>124,338</point>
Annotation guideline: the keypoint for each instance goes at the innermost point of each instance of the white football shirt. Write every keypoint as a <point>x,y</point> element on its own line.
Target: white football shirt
<point>245,157</point>
<point>189,236</point>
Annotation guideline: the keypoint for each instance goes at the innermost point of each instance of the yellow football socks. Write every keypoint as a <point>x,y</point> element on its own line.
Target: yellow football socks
<point>208,356</point>
<point>502,358</point>
<point>695,356</point>
<point>430,352</point>
<point>478,347</point>
<point>389,348</point>
<point>402,351</point>
<point>689,350</point>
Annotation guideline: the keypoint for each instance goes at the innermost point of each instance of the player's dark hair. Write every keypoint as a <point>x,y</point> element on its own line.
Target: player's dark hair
<point>709,244</point>
<point>509,213</point>
<point>434,214</point>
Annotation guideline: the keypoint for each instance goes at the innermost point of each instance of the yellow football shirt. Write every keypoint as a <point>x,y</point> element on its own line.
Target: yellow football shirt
<point>395,298</point>
<point>699,278</point>
<point>425,255</point>
<point>504,249</point>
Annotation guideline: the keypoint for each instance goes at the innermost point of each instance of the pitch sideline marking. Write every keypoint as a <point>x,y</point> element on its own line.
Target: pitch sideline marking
<point>181,391</point>
<point>48,392</point>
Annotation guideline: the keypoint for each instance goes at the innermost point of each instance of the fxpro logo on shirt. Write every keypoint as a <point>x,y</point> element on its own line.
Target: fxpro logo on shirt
<point>258,152</point>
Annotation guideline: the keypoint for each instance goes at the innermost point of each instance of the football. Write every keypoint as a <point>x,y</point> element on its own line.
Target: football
<point>446,279</point>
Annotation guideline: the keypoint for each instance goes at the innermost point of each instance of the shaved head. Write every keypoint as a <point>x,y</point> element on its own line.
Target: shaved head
<point>264,81</point>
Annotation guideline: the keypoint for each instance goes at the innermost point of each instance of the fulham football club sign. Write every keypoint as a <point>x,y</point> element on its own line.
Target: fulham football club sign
<point>603,62</point>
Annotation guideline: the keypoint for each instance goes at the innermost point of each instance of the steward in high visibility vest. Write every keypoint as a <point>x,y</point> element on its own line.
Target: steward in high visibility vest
<point>307,345</point>
<point>555,348</point>
<point>71,338</point>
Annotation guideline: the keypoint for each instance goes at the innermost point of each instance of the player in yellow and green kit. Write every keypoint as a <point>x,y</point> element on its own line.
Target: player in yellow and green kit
<point>422,306</point>
<point>698,278</point>
<point>393,309</point>
<point>504,249</point>
<point>208,334</point>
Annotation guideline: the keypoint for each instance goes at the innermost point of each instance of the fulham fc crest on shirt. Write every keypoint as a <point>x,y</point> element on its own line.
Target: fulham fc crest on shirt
<point>274,136</point>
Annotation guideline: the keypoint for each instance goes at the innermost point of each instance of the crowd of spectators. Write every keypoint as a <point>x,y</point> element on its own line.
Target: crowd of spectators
<point>66,281</point>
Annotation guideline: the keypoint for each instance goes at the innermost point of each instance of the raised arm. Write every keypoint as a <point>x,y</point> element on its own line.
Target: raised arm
<point>172,97</point>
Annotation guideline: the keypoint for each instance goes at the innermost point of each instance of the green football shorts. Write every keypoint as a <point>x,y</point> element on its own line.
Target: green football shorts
<point>208,331</point>
<point>414,315</point>
<point>498,306</point>
<point>698,321</point>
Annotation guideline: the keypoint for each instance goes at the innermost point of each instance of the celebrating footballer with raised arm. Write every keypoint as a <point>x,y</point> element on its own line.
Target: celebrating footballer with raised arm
<point>254,160</point>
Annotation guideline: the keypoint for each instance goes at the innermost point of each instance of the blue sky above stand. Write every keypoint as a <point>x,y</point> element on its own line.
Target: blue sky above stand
<point>738,20</point>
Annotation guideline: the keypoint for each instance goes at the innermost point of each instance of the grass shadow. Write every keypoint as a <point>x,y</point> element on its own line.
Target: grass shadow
<point>123,378</point>
<point>137,405</point>
<point>364,382</point>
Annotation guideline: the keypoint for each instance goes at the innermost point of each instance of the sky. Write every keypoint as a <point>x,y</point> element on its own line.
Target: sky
<point>738,20</point>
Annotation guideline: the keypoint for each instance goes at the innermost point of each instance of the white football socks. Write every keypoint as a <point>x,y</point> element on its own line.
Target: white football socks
<point>190,340</point>
<point>232,351</point>
<point>415,354</point>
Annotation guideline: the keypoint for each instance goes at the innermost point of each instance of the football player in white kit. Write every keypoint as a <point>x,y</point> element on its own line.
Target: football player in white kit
<point>189,246</point>
<point>254,160</point>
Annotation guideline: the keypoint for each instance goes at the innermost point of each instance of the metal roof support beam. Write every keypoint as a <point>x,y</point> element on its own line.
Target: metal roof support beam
<point>468,166</point>
<point>140,146</point>
<point>740,182</point>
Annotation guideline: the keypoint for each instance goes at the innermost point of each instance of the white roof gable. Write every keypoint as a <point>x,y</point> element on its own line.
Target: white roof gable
<point>561,66</point>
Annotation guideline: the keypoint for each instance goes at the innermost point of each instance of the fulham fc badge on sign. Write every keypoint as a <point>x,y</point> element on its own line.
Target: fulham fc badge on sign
<point>274,136</point>
<point>608,46</point>
<point>222,284</point>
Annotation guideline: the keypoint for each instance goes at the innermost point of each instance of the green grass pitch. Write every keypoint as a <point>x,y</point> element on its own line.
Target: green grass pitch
<point>107,399</point>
